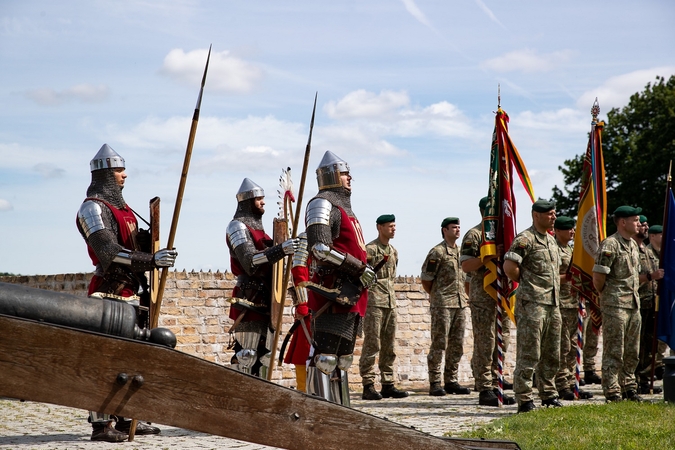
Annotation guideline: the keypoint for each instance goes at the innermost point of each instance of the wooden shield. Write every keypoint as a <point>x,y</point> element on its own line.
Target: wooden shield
<point>154,274</point>
<point>279,235</point>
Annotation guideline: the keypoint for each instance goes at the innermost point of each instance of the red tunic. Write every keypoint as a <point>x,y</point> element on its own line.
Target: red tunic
<point>259,242</point>
<point>298,349</point>
<point>127,226</point>
<point>349,241</point>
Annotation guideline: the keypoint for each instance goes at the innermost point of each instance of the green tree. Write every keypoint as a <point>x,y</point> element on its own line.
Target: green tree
<point>638,143</point>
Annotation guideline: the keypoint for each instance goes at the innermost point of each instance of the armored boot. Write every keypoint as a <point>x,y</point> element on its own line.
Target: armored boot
<point>105,432</point>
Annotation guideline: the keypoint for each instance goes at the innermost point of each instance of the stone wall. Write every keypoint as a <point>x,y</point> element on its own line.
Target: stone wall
<point>195,308</point>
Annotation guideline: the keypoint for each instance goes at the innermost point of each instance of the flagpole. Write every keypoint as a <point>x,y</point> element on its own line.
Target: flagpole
<point>660,282</point>
<point>501,283</point>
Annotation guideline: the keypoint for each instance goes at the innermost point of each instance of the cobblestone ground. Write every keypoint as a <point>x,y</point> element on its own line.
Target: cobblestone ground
<point>29,425</point>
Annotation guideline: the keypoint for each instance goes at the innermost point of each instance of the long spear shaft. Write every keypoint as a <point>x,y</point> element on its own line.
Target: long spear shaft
<point>660,282</point>
<point>296,220</point>
<point>179,196</point>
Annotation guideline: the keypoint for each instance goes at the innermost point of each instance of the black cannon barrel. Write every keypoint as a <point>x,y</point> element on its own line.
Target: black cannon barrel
<point>113,317</point>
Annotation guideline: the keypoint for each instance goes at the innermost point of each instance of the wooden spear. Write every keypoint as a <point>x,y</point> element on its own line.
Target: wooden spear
<point>294,234</point>
<point>154,319</point>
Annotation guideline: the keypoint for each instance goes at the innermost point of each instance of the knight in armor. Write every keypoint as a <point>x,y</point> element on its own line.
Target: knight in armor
<point>252,255</point>
<point>122,256</point>
<point>339,277</point>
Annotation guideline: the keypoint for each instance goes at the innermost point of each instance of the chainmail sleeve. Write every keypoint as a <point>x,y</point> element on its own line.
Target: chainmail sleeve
<point>244,253</point>
<point>104,242</point>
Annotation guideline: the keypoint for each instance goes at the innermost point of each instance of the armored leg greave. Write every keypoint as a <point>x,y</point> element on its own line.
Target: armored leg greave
<point>327,377</point>
<point>100,418</point>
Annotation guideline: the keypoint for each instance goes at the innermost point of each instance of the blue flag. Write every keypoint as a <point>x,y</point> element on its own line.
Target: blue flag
<point>666,320</point>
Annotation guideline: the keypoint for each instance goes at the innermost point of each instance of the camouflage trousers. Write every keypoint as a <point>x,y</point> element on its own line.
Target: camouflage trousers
<point>621,338</point>
<point>379,332</point>
<point>591,342</point>
<point>568,348</point>
<point>537,349</point>
<point>447,338</point>
<point>643,372</point>
<point>484,362</point>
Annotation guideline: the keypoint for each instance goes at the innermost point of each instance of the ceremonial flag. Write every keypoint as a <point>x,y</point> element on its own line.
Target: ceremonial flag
<point>499,221</point>
<point>666,323</point>
<point>591,220</point>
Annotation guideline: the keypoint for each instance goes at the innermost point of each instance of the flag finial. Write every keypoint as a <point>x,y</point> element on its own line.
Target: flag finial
<point>499,95</point>
<point>595,110</point>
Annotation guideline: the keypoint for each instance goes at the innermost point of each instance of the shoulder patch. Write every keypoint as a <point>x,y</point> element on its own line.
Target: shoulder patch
<point>431,265</point>
<point>522,244</point>
<point>468,243</point>
<point>607,253</point>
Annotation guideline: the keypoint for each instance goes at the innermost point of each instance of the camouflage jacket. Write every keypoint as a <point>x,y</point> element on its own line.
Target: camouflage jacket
<point>442,267</point>
<point>568,299</point>
<point>382,293</point>
<point>619,260</point>
<point>539,259</point>
<point>649,262</point>
<point>471,249</point>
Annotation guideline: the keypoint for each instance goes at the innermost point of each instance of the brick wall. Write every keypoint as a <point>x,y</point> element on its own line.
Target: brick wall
<point>195,308</point>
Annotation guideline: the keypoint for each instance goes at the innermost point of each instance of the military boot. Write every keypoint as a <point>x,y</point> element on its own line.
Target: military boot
<point>142,429</point>
<point>644,389</point>
<point>389,391</point>
<point>105,432</point>
<point>369,393</point>
<point>506,400</point>
<point>455,388</point>
<point>590,377</point>
<point>436,390</point>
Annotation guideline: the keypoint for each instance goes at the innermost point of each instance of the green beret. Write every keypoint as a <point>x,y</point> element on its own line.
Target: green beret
<point>627,211</point>
<point>655,229</point>
<point>483,203</point>
<point>448,220</point>
<point>643,219</point>
<point>385,218</point>
<point>564,223</point>
<point>542,206</point>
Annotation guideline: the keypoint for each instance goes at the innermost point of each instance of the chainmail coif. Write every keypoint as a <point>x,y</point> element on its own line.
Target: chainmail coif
<point>104,186</point>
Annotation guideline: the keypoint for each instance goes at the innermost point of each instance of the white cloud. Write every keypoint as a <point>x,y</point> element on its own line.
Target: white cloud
<point>85,93</point>
<point>389,113</point>
<point>566,120</point>
<point>489,13</point>
<point>414,11</point>
<point>527,60</point>
<point>227,73</point>
<point>48,170</point>
<point>616,91</point>
<point>5,205</point>
<point>362,104</point>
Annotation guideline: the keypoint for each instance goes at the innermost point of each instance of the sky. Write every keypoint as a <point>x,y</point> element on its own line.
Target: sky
<point>407,91</point>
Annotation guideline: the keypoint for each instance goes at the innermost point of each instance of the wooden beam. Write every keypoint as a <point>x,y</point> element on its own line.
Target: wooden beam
<point>53,364</point>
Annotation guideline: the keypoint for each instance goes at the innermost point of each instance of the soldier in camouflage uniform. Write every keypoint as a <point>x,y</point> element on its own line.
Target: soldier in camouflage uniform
<point>591,341</point>
<point>443,279</point>
<point>616,276</point>
<point>569,312</point>
<point>484,363</point>
<point>379,325</point>
<point>534,261</point>
<point>649,262</point>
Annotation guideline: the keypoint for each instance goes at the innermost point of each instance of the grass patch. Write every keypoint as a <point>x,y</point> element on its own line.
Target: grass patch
<point>624,425</point>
